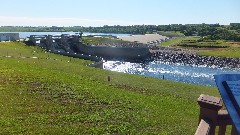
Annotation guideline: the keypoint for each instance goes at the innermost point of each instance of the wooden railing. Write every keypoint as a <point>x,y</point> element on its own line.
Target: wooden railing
<point>212,115</point>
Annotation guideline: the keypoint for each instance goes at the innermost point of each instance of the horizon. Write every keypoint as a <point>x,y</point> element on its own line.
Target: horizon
<point>124,13</point>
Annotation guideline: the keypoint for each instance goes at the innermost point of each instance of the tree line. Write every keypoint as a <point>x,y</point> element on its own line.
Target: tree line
<point>208,31</point>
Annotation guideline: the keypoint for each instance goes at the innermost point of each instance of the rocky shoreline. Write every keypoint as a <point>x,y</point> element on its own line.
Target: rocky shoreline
<point>189,57</point>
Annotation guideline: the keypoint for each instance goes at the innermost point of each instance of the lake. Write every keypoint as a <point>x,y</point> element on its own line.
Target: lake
<point>201,75</point>
<point>27,34</point>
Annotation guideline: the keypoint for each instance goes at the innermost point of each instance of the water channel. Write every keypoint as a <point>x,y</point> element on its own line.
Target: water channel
<point>201,75</point>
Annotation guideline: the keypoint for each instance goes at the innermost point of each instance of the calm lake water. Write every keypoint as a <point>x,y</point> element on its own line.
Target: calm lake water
<point>27,34</point>
<point>181,73</point>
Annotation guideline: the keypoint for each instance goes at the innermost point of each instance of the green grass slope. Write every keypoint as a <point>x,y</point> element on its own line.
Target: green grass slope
<point>102,40</point>
<point>232,52</point>
<point>44,93</point>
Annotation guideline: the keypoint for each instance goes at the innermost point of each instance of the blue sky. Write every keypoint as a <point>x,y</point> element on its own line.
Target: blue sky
<point>117,12</point>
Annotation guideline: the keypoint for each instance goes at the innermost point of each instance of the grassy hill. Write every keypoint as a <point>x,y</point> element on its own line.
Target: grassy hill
<point>103,40</point>
<point>220,48</point>
<point>44,93</point>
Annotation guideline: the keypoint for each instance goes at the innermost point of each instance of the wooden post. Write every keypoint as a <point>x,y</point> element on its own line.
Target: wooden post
<point>203,128</point>
<point>234,130</point>
<point>224,119</point>
<point>109,79</point>
<point>209,107</point>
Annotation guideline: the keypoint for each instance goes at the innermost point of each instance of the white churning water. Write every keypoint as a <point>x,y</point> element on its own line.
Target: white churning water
<point>201,75</point>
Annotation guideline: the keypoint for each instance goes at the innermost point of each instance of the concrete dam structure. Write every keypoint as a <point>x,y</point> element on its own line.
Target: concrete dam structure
<point>72,44</point>
<point>109,52</point>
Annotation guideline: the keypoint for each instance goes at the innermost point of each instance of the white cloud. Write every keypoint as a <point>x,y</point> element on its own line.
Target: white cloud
<point>47,21</point>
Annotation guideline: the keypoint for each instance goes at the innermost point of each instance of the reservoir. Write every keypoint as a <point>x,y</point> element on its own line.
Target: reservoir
<point>27,34</point>
<point>201,75</point>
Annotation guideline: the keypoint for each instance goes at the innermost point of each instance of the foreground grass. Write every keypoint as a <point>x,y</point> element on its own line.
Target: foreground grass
<point>53,94</point>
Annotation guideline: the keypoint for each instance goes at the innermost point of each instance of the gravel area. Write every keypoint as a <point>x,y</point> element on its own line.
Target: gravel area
<point>145,39</point>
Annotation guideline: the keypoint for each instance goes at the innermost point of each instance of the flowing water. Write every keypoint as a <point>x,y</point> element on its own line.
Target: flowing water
<point>201,75</point>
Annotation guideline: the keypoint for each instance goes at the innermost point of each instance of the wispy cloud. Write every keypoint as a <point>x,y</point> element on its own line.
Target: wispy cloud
<point>47,21</point>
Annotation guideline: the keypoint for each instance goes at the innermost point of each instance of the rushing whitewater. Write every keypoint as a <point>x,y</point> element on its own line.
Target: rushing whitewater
<point>202,75</point>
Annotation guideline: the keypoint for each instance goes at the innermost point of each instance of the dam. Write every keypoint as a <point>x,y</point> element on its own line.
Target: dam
<point>73,46</point>
<point>66,44</point>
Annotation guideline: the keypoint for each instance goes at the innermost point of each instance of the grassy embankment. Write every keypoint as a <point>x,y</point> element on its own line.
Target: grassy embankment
<point>171,33</point>
<point>208,48</point>
<point>46,93</point>
<point>232,51</point>
<point>176,41</point>
<point>172,41</point>
<point>102,40</point>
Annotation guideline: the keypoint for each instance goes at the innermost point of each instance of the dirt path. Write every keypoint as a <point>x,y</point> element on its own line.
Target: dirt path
<point>145,39</point>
